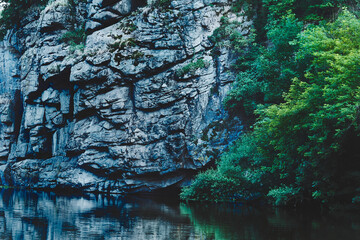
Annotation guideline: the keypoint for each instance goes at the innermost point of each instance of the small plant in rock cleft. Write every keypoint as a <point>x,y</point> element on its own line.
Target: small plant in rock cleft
<point>161,4</point>
<point>75,38</point>
<point>192,67</point>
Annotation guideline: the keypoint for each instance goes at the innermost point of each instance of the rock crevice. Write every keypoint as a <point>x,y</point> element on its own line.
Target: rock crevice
<point>123,111</point>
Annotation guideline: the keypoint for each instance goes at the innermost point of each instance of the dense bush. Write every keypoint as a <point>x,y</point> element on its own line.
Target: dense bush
<point>237,178</point>
<point>308,133</point>
<point>264,72</point>
<point>302,83</point>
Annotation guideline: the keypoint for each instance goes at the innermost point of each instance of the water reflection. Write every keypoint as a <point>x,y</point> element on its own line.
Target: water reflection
<point>227,221</point>
<point>39,215</point>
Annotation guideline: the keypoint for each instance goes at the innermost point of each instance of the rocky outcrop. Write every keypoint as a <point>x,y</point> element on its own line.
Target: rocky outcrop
<point>123,111</point>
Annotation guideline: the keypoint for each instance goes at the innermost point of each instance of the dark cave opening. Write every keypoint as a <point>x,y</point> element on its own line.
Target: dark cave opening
<point>18,112</point>
<point>135,4</point>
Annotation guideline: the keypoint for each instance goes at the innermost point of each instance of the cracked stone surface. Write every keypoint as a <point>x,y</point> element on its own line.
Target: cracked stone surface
<point>113,114</point>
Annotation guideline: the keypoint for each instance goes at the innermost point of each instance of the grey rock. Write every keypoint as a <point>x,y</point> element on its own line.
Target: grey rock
<point>34,116</point>
<point>104,16</point>
<point>122,7</point>
<point>114,115</point>
<point>55,16</point>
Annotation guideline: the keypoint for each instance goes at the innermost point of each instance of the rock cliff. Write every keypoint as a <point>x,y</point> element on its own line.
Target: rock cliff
<point>112,96</point>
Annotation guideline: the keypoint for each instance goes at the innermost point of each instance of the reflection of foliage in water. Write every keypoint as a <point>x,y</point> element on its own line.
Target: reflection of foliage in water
<point>38,215</point>
<point>227,221</point>
<point>223,222</point>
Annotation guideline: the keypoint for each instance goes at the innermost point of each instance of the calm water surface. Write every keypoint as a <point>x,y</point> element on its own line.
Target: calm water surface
<point>39,215</point>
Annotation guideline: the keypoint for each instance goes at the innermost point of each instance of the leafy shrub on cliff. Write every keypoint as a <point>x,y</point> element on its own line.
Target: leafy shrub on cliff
<point>192,67</point>
<point>75,38</point>
<point>13,11</point>
<point>304,145</point>
<point>161,4</point>
<point>263,72</point>
<point>265,75</point>
<point>307,10</point>
<point>236,179</point>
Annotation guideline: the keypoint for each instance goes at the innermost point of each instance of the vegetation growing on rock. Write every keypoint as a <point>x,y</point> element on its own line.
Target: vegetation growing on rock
<point>192,67</point>
<point>75,38</point>
<point>162,4</point>
<point>13,11</point>
<point>113,118</point>
<point>300,85</point>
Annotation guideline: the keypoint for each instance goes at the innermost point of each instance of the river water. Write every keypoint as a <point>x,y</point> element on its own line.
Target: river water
<point>40,215</point>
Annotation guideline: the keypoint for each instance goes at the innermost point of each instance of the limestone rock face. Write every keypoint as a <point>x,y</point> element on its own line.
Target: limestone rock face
<point>125,110</point>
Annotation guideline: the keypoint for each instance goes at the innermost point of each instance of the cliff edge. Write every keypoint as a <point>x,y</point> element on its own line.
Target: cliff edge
<point>112,96</point>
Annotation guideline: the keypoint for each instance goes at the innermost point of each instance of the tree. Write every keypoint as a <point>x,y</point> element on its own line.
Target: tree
<point>309,131</point>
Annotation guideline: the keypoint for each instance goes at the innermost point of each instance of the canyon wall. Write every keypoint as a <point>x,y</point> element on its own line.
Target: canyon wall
<point>132,108</point>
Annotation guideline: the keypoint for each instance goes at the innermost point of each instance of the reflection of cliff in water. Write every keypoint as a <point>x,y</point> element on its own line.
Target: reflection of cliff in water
<point>29,215</point>
<point>39,215</point>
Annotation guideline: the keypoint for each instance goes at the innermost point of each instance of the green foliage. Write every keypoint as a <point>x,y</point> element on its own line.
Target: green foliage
<point>230,36</point>
<point>161,4</point>
<point>308,10</point>
<point>13,11</point>
<point>121,44</point>
<point>74,37</point>
<point>307,133</point>
<point>276,64</point>
<point>210,186</point>
<point>128,26</point>
<point>235,179</point>
<point>248,6</point>
<point>135,55</point>
<point>192,67</point>
<point>356,200</point>
<point>303,85</point>
<point>124,50</point>
<point>264,72</point>
<point>282,195</point>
